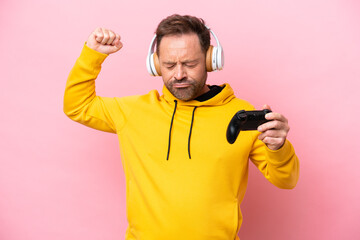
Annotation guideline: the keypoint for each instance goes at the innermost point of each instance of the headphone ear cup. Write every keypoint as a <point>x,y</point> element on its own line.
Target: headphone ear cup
<point>152,63</point>
<point>219,58</point>
<point>209,57</point>
<point>214,59</point>
<point>156,64</point>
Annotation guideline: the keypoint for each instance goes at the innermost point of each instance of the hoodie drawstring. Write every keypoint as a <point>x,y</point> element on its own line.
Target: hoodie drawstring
<point>192,121</point>
<point>171,125</point>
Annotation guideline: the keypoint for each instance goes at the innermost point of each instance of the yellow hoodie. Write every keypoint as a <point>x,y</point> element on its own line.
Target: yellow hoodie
<point>184,181</point>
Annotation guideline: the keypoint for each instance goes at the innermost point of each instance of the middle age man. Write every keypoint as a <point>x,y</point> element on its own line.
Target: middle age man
<point>183,179</point>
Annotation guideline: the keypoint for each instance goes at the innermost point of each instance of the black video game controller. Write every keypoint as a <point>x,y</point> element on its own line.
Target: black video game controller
<point>245,121</point>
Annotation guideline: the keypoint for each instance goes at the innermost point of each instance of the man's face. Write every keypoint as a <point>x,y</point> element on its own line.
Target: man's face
<point>182,65</point>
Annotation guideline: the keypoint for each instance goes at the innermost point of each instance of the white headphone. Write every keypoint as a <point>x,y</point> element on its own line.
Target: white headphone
<point>214,57</point>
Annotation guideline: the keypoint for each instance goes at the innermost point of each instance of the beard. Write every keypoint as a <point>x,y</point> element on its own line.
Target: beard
<point>188,93</point>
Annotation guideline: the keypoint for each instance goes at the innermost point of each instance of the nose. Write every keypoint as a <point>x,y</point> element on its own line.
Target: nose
<point>180,72</point>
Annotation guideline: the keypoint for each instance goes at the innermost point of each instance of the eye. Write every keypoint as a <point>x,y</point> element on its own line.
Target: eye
<point>170,66</point>
<point>192,65</point>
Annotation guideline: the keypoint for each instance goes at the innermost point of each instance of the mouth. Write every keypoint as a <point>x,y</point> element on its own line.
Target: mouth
<point>181,85</point>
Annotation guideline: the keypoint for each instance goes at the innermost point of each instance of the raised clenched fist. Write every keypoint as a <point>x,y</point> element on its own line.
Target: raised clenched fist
<point>104,40</point>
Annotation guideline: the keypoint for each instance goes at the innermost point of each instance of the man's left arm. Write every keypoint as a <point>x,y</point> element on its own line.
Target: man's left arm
<point>273,154</point>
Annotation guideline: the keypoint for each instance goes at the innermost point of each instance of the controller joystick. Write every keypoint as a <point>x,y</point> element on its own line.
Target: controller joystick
<point>245,121</point>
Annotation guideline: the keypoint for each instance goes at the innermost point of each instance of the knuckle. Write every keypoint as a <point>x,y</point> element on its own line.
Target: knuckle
<point>269,125</point>
<point>277,124</point>
<point>99,37</point>
<point>105,38</point>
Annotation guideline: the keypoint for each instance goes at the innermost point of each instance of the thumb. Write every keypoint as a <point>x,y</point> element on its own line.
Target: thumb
<point>266,107</point>
<point>117,45</point>
<point>109,49</point>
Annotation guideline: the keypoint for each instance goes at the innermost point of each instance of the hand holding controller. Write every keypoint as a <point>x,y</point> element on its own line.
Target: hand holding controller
<point>245,120</point>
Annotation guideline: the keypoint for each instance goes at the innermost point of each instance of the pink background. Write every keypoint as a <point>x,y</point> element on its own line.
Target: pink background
<point>61,180</point>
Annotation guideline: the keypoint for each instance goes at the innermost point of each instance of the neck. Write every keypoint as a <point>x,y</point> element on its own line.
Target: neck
<point>203,91</point>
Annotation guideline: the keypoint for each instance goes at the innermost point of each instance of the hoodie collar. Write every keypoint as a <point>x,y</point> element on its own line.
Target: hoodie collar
<point>226,95</point>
